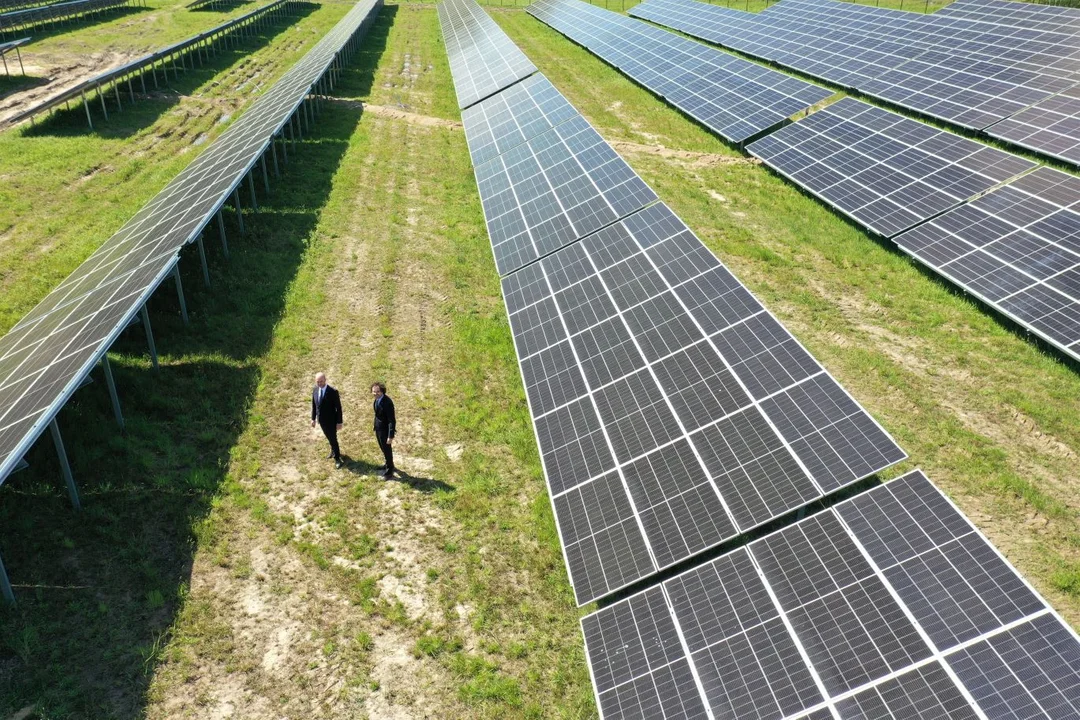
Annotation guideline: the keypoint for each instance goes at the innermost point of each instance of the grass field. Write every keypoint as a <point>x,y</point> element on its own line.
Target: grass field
<point>222,567</point>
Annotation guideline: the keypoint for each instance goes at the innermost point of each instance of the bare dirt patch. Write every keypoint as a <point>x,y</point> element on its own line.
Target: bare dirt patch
<point>60,77</point>
<point>688,158</point>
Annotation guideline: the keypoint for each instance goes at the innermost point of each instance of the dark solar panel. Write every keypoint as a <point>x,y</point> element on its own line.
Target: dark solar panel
<point>672,411</point>
<point>971,72</point>
<point>888,605</point>
<point>1017,249</point>
<point>1051,127</point>
<point>885,171</point>
<point>735,98</point>
<point>483,59</point>
<point>553,189</point>
<point>45,356</point>
<point>509,118</point>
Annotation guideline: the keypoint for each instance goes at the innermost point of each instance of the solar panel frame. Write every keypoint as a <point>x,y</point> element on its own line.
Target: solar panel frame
<point>690,452</point>
<point>150,241</point>
<point>735,98</point>
<point>31,17</point>
<point>857,550</point>
<point>1017,249</point>
<point>885,171</point>
<point>477,46</point>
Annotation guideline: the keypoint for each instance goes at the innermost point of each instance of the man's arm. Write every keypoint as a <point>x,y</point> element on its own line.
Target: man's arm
<point>314,410</point>
<point>391,419</point>
<point>337,410</point>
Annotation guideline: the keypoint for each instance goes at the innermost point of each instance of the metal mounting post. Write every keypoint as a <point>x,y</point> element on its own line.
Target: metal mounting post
<point>86,107</point>
<point>202,258</point>
<point>221,232</point>
<point>236,204</point>
<point>251,191</point>
<point>266,180</point>
<point>180,292</point>
<point>61,454</point>
<point>149,334</point>
<point>107,369</point>
<point>273,152</point>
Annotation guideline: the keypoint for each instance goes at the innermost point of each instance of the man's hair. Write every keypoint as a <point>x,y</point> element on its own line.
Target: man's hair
<point>381,386</point>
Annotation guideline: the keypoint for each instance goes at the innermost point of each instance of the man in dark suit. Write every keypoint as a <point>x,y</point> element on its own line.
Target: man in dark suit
<point>326,410</point>
<point>384,426</point>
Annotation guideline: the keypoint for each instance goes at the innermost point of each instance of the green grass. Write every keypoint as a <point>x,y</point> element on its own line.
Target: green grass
<point>221,562</point>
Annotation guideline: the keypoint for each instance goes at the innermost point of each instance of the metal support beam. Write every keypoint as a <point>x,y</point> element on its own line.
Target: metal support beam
<point>221,232</point>
<point>273,152</point>
<point>202,258</point>
<point>180,292</point>
<point>266,179</point>
<point>149,334</point>
<point>61,454</point>
<point>251,190</point>
<point>107,369</point>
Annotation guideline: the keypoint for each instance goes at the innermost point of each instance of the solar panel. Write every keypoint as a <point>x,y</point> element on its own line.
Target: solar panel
<point>483,60</point>
<point>46,355</point>
<point>1051,127</point>
<point>888,605</point>
<point>970,73</point>
<point>1018,250</point>
<point>672,411</point>
<point>883,170</point>
<point>552,189</point>
<point>731,96</point>
<point>509,118</point>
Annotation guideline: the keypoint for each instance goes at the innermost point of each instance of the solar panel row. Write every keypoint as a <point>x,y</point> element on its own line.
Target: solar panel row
<point>483,60</point>
<point>48,353</point>
<point>969,72</point>
<point>733,97</point>
<point>888,605</point>
<point>18,21</point>
<point>554,179</point>
<point>672,411</point>
<point>161,60</point>
<point>1017,249</point>
<point>887,172</point>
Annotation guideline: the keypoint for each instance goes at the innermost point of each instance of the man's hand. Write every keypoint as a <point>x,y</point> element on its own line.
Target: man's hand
<point>339,426</point>
<point>312,423</point>
<point>389,441</point>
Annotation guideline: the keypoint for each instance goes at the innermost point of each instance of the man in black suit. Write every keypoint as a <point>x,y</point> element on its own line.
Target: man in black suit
<point>326,410</point>
<point>384,426</point>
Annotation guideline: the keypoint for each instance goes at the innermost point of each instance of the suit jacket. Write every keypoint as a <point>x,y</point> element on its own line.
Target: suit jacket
<point>384,415</point>
<point>329,411</point>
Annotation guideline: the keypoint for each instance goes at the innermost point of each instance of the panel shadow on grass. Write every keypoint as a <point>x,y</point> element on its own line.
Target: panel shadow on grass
<point>128,115</point>
<point>98,590</point>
